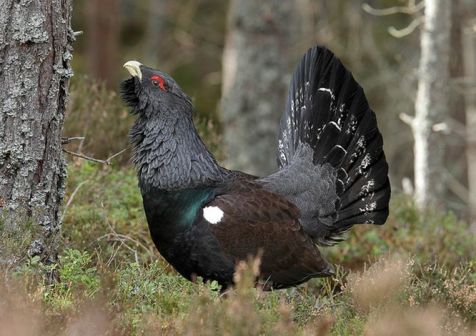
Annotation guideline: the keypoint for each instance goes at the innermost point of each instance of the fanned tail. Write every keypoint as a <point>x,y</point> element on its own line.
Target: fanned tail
<point>327,109</point>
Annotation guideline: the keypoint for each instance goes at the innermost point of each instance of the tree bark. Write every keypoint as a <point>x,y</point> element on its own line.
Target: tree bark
<point>431,105</point>
<point>458,165</point>
<point>470,68</point>
<point>102,36</point>
<point>35,52</point>
<point>256,72</point>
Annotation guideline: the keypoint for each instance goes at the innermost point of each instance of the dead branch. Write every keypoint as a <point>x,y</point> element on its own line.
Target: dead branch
<point>70,200</point>
<point>407,119</point>
<point>88,158</point>
<point>399,33</point>
<point>441,127</point>
<point>411,9</point>
<point>65,141</point>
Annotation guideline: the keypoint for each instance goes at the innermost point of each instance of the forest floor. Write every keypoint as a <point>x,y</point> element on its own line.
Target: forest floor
<point>415,275</point>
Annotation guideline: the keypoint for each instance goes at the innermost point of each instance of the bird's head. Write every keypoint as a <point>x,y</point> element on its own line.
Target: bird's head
<point>151,91</point>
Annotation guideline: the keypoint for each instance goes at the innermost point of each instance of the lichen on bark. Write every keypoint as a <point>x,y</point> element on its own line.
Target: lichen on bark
<point>35,50</point>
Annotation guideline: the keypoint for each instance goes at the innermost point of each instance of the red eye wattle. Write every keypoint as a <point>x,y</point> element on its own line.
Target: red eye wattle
<point>158,81</point>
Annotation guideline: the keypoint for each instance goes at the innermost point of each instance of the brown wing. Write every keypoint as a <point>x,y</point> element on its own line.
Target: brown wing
<point>254,220</point>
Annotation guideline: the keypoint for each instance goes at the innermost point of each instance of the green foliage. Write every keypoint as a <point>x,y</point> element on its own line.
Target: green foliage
<point>106,214</point>
<point>425,237</point>
<point>78,280</point>
<point>148,289</point>
<point>420,268</point>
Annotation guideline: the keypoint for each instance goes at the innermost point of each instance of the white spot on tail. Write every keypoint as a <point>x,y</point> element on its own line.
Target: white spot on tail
<point>213,214</point>
<point>369,207</point>
<point>328,91</point>
<point>339,146</point>
<point>335,124</point>
<point>367,187</point>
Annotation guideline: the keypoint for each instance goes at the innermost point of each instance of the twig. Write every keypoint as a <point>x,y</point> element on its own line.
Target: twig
<point>82,156</point>
<point>117,237</point>
<point>407,119</point>
<point>113,255</point>
<point>65,141</point>
<point>117,154</point>
<point>399,33</point>
<point>85,157</point>
<point>411,9</point>
<point>70,200</point>
<point>441,127</point>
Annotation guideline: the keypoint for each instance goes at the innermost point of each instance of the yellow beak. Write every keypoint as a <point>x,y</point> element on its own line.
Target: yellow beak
<point>133,67</point>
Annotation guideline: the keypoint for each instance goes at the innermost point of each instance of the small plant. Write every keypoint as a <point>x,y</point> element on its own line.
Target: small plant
<point>78,280</point>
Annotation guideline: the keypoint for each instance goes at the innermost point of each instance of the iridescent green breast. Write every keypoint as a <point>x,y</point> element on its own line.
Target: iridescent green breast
<point>175,210</point>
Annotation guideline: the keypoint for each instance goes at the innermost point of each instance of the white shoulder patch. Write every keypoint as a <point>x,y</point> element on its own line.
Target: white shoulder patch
<point>213,214</point>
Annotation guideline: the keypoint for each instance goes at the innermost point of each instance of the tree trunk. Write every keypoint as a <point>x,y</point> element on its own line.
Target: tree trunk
<point>35,51</point>
<point>470,68</point>
<point>256,69</point>
<point>431,105</point>
<point>454,144</point>
<point>102,36</point>
<point>154,35</point>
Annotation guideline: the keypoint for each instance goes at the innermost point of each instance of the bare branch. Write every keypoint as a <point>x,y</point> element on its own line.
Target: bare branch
<point>411,9</point>
<point>117,154</point>
<point>65,141</point>
<point>441,127</point>
<point>88,158</point>
<point>399,33</point>
<point>407,119</point>
<point>70,200</point>
<point>82,156</point>
<point>117,237</point>
<point>452,126</point>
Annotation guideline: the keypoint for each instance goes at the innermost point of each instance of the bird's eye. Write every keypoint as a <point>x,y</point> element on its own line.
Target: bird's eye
<point>158,81</point>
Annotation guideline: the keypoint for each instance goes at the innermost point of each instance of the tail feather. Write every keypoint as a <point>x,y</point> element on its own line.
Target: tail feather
<point>327,110</point>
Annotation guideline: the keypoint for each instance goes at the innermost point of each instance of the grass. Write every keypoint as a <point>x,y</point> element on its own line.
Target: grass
<point>418,268</point>
<point>415,275</point>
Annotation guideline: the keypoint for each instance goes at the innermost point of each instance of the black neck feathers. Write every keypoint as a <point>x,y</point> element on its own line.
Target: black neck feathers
<point>168,152</point>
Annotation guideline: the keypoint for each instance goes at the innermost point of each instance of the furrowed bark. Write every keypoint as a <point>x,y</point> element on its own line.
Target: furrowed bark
<point>35,52</point>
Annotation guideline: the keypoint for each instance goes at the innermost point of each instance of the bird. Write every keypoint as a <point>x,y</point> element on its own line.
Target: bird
<point>204,219</point>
